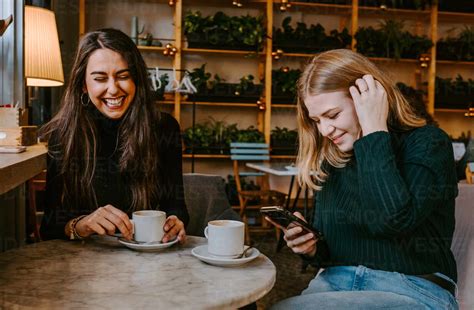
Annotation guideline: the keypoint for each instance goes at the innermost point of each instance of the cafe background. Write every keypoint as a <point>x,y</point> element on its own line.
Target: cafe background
<point>244,80</point>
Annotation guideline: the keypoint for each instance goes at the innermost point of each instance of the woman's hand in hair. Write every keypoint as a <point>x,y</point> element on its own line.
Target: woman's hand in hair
<point>104,221</point>
<point>174,227</point>
<point>371,104</point>
<point>298,241</point>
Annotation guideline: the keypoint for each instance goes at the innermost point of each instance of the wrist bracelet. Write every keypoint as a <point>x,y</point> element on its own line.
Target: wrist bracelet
<point>73,235</point>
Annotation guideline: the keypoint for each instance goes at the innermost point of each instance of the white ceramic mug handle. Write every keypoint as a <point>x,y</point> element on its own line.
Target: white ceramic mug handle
<point>205,232</point>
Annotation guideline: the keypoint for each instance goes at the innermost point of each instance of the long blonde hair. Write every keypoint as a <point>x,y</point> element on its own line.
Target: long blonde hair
<point>331,71</point>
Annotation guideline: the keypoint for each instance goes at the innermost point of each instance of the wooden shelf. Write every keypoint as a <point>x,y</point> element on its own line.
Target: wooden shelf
<point>372,11</point>
<point>150,48</point>
<point>225,52</point>
<point>207,156</point>
<point>222,104</point>
<point>283,106</point>
<point>455,62</point>
<point>455,17</point>
<point>401,60</point>
<point>441,110</point>
<point>218,156</point>
<point>322,8</point>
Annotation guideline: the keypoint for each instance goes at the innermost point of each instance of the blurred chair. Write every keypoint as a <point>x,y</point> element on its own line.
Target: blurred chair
<point>240,154</point>
<point>35,184</point>
<point>206,200</point>
<point>463,245</point>
<point>470,173</point>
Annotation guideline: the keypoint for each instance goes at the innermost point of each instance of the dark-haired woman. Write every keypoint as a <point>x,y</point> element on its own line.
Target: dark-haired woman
<point>111,151</point>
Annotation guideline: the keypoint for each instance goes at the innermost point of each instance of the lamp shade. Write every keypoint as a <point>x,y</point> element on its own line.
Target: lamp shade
<point>43,65</point>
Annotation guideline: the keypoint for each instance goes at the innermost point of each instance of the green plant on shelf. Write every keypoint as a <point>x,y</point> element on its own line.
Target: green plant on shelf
<point>391,41</point>
<point>221,31</point>
<point>217,90</point>
<point>308,40</point>
<point>284,85</point>
<point>283,141</point>
<point>454,94</point>
<point>214,137</point>
<point>246,84</point>
<point>459,48</point>
<point>251,134</point>
<point>200,78</point>
<point>416,99</point>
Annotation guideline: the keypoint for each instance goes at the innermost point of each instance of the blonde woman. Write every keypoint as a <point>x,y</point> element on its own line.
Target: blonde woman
<point>385,187</point>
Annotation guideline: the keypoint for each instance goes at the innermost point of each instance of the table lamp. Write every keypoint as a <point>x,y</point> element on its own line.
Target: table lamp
<point>43,65</point>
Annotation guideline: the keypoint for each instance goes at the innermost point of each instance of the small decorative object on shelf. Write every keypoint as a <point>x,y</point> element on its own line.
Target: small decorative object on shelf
<point>277,54</point>
<point>424,60</point>
<point>285,4</point>
<point>469,113</point>
<point>237,3</point>
<point>261,104</point>
<point>170,50</point>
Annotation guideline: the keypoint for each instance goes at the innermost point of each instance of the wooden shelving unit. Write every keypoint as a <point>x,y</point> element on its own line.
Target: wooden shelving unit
<point>349,17</point>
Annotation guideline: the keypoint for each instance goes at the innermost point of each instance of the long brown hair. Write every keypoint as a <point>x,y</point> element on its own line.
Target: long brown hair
<point>75,143</point>
<point>331,71</point>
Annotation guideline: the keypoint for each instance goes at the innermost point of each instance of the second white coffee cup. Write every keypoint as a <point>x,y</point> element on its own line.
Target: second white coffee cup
<point>225,238</point>
<point>148,225</point>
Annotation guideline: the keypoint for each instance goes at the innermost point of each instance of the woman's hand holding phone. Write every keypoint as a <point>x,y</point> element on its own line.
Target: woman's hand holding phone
<point>296,238</point>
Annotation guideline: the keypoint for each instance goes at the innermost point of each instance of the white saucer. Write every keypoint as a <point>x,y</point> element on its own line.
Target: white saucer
<point>148,247</point>
<point>202,253</point>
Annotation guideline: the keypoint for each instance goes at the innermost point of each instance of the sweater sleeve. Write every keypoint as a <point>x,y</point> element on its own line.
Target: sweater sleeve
<point>400,192</point>
<point>171,198</point>
<point>55,214</point>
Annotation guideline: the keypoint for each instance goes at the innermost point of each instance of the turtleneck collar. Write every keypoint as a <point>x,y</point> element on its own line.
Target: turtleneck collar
<point>105,123</point>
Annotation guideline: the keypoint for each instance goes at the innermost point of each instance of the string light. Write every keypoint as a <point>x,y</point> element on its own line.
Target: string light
<point>277,54</point>
<point>285,5</point>
<point>424,60</point>
<point>171,2</point>
<point>237,3</point>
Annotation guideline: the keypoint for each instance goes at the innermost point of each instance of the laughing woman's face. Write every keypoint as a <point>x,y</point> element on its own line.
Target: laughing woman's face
<point>109,83</point>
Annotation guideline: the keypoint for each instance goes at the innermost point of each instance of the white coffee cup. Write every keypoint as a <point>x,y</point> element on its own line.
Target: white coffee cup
<point>225,238</point>
<point>148,225</point>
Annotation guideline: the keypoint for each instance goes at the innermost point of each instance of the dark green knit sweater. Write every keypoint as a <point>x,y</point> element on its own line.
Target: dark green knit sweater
<point>392,207</point>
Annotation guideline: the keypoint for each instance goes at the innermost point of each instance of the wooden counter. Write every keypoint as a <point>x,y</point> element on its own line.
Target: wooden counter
<point>16,169</point>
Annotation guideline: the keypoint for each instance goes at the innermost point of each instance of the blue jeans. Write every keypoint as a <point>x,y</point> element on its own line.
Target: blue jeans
<point>350,287</point>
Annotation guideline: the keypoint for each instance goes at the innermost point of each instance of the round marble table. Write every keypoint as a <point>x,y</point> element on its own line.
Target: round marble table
<point>102,274</point>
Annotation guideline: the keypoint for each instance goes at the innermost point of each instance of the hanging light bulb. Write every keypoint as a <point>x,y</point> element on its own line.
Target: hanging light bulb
<point>171,2</point>
<point>277,54</point>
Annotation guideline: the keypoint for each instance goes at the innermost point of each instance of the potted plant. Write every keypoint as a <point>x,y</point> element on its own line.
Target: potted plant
<point>224,32</point>
<point>454,94</point>
<point>283,141</point>
<point>308,40</point>
<point>197,139</point>
<point>217,90</point>
<point>251,134</point>
<point>457,48</point>
<point>284,85</point>
<point>390,41</point>
<point>159,93</point>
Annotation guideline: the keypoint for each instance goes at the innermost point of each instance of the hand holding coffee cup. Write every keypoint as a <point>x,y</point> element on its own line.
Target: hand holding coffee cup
<point>104,221</point>
<point>225,238</point>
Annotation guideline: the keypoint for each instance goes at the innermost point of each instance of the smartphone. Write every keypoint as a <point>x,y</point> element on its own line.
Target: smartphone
<point>284,218</point>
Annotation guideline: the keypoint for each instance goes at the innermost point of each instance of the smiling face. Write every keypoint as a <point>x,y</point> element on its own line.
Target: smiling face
<point>109,83</point>
<point>336,118</point>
